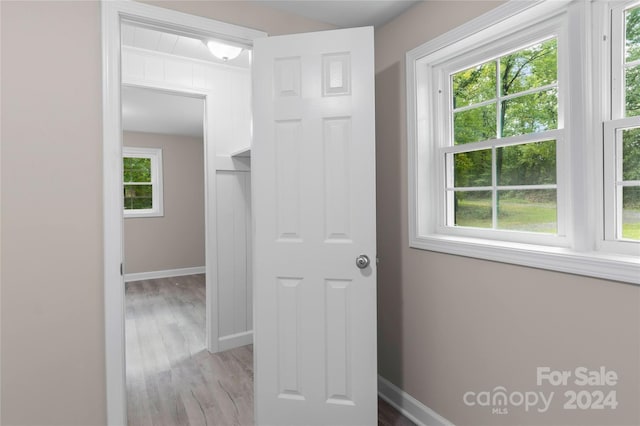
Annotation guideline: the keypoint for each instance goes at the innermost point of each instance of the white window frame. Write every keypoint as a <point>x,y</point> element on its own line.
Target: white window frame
<point>155,155</point>
<point>548,29</point>
<point>578,248</point>
<point>614,122</point>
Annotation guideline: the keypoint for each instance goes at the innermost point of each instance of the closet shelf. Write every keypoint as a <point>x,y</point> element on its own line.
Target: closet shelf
<point>244,152</point>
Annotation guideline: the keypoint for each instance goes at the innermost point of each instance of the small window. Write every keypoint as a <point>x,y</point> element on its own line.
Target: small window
<point>142,182</point>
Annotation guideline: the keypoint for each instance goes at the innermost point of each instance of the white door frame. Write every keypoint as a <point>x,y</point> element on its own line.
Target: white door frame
<point>113,13</point>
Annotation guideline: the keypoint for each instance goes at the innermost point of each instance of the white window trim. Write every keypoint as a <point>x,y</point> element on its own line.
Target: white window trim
<point>155,155</point>
<point>583,252</point>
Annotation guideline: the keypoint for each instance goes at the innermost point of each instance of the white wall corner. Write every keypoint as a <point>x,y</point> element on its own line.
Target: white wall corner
<point>152,275</point>
<point>410,407</point>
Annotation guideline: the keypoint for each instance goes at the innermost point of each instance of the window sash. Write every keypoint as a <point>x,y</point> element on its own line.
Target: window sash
<point>613,183</point>
<point>444,111</point>
<point>618,64</point>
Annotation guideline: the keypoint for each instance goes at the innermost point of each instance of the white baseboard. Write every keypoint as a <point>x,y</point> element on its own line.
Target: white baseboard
<point>235,340</point>
<point>164,274</point>
<point>410,407</point>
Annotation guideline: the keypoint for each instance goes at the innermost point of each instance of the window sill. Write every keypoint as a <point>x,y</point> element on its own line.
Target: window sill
<point>614,267</point>
<point>141,214</point>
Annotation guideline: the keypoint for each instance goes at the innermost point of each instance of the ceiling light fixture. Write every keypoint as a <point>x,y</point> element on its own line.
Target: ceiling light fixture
<point>223,51</point>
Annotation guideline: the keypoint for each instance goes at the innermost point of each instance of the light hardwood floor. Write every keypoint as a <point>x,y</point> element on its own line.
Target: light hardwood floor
<point>171,378</point>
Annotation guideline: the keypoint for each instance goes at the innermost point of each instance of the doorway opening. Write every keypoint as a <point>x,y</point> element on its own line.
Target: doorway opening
<point>314,209</point>
<point>184,251</point>
<point>158,54</point>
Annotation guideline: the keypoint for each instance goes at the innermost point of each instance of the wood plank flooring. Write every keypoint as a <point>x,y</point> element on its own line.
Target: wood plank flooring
<point>172,379</point>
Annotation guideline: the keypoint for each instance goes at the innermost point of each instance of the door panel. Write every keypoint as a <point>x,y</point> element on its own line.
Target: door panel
<point>313,170</point>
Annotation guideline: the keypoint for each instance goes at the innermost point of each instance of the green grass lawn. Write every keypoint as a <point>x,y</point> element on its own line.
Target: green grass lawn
<point>631,231</point>
<point>523,215</point>
<point>515,214</point>
<point>631,227</point>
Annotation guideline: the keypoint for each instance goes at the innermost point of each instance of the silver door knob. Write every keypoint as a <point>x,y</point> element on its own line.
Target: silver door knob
<point>362,261</point>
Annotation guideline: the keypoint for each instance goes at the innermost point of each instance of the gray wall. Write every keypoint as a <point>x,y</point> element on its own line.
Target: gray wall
<point>449,324</point>
<point>52,316</point>
<point>51,272</point>
<point>175,240</point>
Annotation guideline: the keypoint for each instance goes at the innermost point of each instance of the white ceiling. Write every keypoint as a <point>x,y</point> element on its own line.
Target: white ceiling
<point>344,13</point>
<point>146,110</point>
<point>149,39</point>
<point>156,112</point>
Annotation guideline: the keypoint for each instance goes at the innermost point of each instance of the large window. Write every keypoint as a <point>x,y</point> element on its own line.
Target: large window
<point>500,159</point>
<point>622,132</point>
<point>513,121</point>
<point>142,182</point>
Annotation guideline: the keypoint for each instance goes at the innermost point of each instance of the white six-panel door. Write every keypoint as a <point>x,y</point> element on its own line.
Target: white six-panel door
<point>313,173</point>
